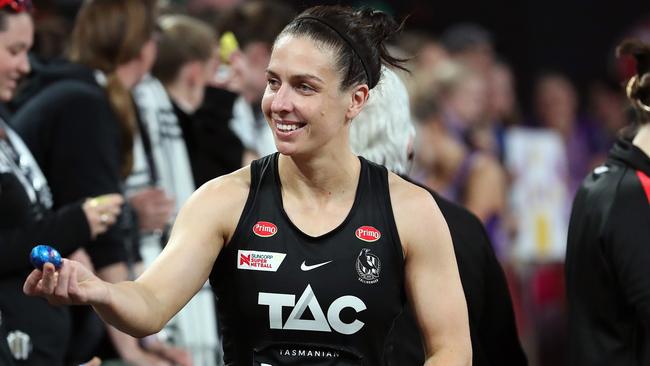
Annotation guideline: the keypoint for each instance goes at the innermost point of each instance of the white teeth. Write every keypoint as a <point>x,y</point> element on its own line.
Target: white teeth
<point>287,127</point>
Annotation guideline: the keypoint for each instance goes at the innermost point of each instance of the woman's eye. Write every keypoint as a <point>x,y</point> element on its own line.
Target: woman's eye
<point>305,88</point>
<point>273,83</point>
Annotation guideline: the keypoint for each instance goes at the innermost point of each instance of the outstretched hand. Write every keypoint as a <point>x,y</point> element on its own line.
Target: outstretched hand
<point>72,284</point>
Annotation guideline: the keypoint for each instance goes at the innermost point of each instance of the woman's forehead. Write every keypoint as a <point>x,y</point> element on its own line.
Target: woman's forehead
<point>302,55</point>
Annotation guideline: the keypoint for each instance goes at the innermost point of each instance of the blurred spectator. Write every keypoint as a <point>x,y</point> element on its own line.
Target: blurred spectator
<point>33,332</point>
<point>609,107</point>
<point>502,112</point>
<point>187,61</point>
<point>424,54</point>
<point>112,47</point>
<point>383,132</point>
<point>463,97</point>
<point>471,45</point>
<point>255,24</point>
<point>445,164</point>
<point>556,107</point>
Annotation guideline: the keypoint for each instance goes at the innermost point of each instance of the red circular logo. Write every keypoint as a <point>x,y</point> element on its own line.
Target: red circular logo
<point>368,233</point>
<point>265,229</point>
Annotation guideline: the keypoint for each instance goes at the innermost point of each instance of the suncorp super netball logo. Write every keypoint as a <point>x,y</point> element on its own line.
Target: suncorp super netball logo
<point>256,260</point>
<point>368,234</point>
<point>265,229</point>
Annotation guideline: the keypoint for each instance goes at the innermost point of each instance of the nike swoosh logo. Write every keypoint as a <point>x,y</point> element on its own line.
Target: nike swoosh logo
<point>305,267</point>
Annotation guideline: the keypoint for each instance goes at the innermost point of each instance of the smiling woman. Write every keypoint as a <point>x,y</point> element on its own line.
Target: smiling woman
<point>311,250</point>
<point>16,37</point>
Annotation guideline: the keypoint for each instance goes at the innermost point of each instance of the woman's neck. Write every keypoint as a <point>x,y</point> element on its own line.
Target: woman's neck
<point>642,139</point>
<point>323,177</point>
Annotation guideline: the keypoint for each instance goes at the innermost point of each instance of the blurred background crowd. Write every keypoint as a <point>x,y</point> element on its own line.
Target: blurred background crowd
<point>514,103</point>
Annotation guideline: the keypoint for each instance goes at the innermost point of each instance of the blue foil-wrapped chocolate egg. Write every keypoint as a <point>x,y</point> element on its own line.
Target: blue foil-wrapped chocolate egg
<point>42,254</point>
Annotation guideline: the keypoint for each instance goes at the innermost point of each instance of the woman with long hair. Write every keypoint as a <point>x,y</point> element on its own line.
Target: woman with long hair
<point>80,127</point>
<point>607,259</point>
<point>35,332</point>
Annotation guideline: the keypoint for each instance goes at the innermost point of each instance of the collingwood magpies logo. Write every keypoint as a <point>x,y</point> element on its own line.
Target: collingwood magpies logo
<point>368,267</point>
<point>20,345</point>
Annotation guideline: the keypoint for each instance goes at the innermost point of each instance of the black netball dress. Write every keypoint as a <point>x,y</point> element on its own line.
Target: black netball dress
<point>287,298</point>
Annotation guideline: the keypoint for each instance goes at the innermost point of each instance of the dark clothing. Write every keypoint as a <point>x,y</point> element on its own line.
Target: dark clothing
<point>607,261</point>
<point>65,229</point>
<point>74,135</point>
<point>25,223</point>
<point>47,326</point>
<point>6,358</point>
<point>213,147</point>
<point>491,318</point>
<point>287,298</point>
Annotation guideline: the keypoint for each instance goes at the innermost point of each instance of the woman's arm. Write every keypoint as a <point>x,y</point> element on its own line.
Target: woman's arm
<point>431,275</point>
<point>144,306</point>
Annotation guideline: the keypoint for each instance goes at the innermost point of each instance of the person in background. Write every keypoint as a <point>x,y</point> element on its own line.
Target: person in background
<point>384,133</point>
<point>473,179</point>
<point>166,151</point>
<point>33,332</point>
<point>254,24</point>
<point>471,45</point>
<point>80,127</point>
<point>607,258</point>
<point>556,108</point>
<point>502,112</point>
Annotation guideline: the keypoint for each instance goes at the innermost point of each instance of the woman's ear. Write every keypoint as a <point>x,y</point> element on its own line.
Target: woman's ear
<point>359,97</point>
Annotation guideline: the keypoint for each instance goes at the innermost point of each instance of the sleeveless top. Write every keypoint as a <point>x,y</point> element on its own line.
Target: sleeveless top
<point>287,298</point>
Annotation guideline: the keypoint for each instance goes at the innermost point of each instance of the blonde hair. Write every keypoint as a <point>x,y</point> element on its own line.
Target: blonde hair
<point>107,34</point>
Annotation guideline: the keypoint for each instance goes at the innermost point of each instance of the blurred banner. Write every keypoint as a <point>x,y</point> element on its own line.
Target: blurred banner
<point>539,196</point>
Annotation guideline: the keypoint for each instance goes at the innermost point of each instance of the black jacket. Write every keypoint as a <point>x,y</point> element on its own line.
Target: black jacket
<point>213,147</point>
<point>491,318</point>
<point>608,262</point>
<point>72,131</point>
<point>20,229</point>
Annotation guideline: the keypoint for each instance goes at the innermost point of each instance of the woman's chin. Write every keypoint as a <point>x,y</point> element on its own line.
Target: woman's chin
<point>284,148</point>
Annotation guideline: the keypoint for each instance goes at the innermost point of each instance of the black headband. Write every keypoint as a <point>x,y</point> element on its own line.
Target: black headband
<point>348,40</point>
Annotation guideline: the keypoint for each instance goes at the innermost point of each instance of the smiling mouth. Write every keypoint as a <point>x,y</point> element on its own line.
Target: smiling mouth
<point>289,127</point>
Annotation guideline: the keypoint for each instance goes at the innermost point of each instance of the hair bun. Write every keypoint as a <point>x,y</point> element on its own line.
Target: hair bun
<point>383,23</point>
<point>638,88</point>
<point>639,50</point>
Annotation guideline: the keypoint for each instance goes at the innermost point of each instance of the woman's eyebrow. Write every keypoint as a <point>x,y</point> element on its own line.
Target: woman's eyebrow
<point>298,76</point>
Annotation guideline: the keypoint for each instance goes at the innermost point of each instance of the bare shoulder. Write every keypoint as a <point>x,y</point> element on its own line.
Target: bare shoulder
<point>236,184</point>
<point>407,196</point>
<point>414,209</point>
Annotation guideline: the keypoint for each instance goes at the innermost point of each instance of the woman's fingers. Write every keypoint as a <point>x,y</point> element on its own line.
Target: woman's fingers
<point>48,282</point>
<point>29,288</point>
<point>71,284</point>
<point>61,289</point>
